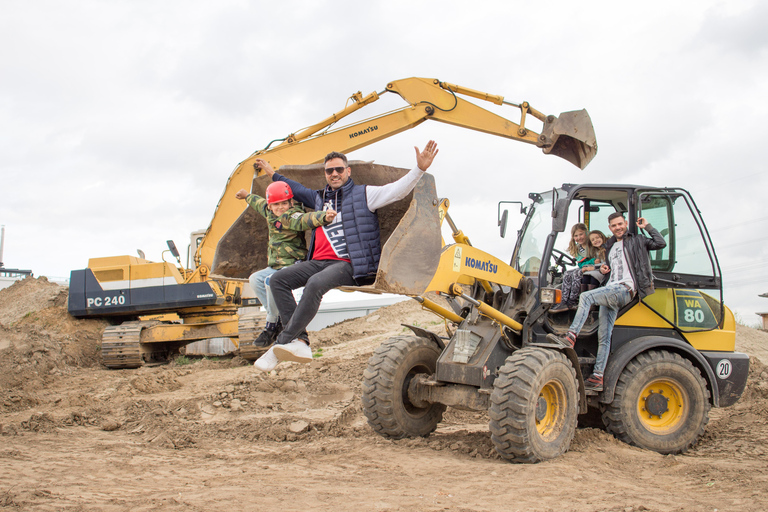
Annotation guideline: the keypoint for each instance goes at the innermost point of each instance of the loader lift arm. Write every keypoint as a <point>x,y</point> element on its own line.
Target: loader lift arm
<point>570,136</point>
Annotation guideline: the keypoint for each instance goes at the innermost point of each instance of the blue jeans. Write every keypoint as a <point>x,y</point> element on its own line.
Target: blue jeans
<point>258,282</point>
<point>611,299</point>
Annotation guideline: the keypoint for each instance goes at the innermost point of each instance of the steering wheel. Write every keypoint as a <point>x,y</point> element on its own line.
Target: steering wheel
<point>562,260</point>
<point>570,260</point>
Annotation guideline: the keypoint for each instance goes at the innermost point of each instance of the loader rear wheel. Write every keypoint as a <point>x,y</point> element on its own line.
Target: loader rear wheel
<point>534,406</point>
<point>661,403</point>
<point>385,388</point>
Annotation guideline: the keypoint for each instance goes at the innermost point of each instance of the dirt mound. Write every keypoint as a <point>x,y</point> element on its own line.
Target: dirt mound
<point>40,340</point>
<point>27,296</point>
<point>752,342</point>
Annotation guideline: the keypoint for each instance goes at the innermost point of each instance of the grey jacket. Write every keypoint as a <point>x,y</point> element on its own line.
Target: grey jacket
<point>636,248</point>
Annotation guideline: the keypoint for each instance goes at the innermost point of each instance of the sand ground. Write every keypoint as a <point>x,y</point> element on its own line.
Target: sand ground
<point>217,435</point>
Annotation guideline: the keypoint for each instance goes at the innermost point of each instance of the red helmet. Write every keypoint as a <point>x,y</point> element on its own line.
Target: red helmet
<point>279,191</point>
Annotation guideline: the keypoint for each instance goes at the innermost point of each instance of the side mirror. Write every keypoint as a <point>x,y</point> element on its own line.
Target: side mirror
<point>174,251</point>
<point>503,223</point>
<point>172,247</point>
<point>559,215</point>
<point>504,216</point>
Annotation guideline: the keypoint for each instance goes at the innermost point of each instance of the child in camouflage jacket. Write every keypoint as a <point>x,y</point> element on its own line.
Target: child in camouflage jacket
<point>287,223</point>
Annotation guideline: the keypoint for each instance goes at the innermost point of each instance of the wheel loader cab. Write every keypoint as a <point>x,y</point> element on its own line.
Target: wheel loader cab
<point>686,273</point>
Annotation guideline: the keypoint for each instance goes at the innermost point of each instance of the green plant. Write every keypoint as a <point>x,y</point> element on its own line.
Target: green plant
<point>742,322</point>
<point>183,360</point>
<point>317,353</point>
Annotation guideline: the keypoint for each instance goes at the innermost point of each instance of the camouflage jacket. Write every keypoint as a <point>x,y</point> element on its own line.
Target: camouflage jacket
<point>287,243</point>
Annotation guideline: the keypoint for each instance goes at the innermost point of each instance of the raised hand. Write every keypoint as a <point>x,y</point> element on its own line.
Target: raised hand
<point>424,158</point>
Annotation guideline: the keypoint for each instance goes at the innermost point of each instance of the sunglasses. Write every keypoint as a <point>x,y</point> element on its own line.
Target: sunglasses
<point>338,170</point>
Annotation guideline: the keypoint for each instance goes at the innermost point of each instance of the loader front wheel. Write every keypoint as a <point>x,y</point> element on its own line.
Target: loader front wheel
<point>385,388</point>
<point>661,403</point>
<point>534,406</point>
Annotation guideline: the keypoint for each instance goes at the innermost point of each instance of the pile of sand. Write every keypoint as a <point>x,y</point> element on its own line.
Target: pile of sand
<point>38,337</point>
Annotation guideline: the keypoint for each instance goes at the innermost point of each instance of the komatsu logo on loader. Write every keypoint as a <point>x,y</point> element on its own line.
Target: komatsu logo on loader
<point>487,266</point>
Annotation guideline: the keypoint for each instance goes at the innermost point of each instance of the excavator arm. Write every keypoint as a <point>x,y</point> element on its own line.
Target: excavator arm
<point>569,136</point>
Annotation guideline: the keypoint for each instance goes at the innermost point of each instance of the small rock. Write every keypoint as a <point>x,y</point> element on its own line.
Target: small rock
<point>297,427</point>
<point>217,404</point>
<point>207,409</point>
<point>264,386</point>
<point>235,405</point>
<point>109,425</point>
<point>289,386</point>
<point>230,389</point>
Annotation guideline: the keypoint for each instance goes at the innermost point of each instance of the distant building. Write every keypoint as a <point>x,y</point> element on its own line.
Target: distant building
<point>764,316</point>
<point>8,276</point>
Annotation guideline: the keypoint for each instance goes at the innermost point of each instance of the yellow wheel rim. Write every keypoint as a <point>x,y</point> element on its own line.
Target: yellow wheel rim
<point>550,410</point>
<point>662,406</point>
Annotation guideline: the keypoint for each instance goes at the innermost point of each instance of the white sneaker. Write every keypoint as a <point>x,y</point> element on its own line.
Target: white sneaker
<point>296,350</point>
<point>267,361</point>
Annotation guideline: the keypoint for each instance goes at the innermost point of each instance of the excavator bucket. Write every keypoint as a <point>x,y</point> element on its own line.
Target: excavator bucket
<point>410,230</point>
<point>570,136</point>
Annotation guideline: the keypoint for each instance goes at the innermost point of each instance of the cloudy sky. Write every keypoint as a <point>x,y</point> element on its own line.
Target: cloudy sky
<point>121,121</point>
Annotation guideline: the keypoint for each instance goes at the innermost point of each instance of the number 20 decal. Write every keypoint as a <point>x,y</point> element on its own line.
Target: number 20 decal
<point>723,370</point>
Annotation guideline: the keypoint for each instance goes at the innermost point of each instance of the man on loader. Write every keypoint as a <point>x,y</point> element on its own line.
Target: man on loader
<point>630,273</point>
<point>343,253</point>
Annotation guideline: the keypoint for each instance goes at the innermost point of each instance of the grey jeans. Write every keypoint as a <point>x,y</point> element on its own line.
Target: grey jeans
<point>317,277</point>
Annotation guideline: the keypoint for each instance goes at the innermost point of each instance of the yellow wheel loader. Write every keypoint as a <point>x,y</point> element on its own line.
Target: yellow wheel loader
<point>671,358</point>
<point>203,300</point>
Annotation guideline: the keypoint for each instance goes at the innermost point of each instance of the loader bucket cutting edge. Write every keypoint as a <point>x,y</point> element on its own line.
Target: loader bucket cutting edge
<point>572,137</point>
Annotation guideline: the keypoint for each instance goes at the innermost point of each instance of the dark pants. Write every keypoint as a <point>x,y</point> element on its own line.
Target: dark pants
<point>317,277</point>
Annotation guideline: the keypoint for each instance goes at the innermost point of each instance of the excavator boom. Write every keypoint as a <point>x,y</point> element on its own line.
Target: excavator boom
<point>569,136</point>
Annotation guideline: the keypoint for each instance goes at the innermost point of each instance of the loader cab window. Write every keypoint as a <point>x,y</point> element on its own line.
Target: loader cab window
<point>686,273</point>
<point>687,251</point>
<point>530,244</point>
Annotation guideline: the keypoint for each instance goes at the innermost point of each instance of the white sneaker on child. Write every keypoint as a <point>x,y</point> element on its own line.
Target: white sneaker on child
<point>296,350</point>
<point>267,361</point>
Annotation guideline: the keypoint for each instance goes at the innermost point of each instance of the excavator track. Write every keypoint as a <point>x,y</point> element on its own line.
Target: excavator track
<point>121,346</point>
<point>249,328</point>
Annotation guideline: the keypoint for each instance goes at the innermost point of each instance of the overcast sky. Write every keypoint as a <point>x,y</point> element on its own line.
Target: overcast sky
<point>121,121</point>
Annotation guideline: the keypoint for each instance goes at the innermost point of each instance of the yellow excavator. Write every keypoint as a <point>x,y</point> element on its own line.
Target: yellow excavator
<point>133,291</point>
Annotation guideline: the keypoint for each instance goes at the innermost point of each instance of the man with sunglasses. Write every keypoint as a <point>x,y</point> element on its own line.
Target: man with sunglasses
<point>343,253</point>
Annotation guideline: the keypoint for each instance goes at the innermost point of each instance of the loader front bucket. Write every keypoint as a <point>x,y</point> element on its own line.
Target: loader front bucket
<point>570,136</point>
<point>410,230</point>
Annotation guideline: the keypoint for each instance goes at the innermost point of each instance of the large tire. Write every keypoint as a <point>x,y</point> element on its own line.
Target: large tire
<point>661,403</point>
<point>385,388</point>
<point>534,406</point>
